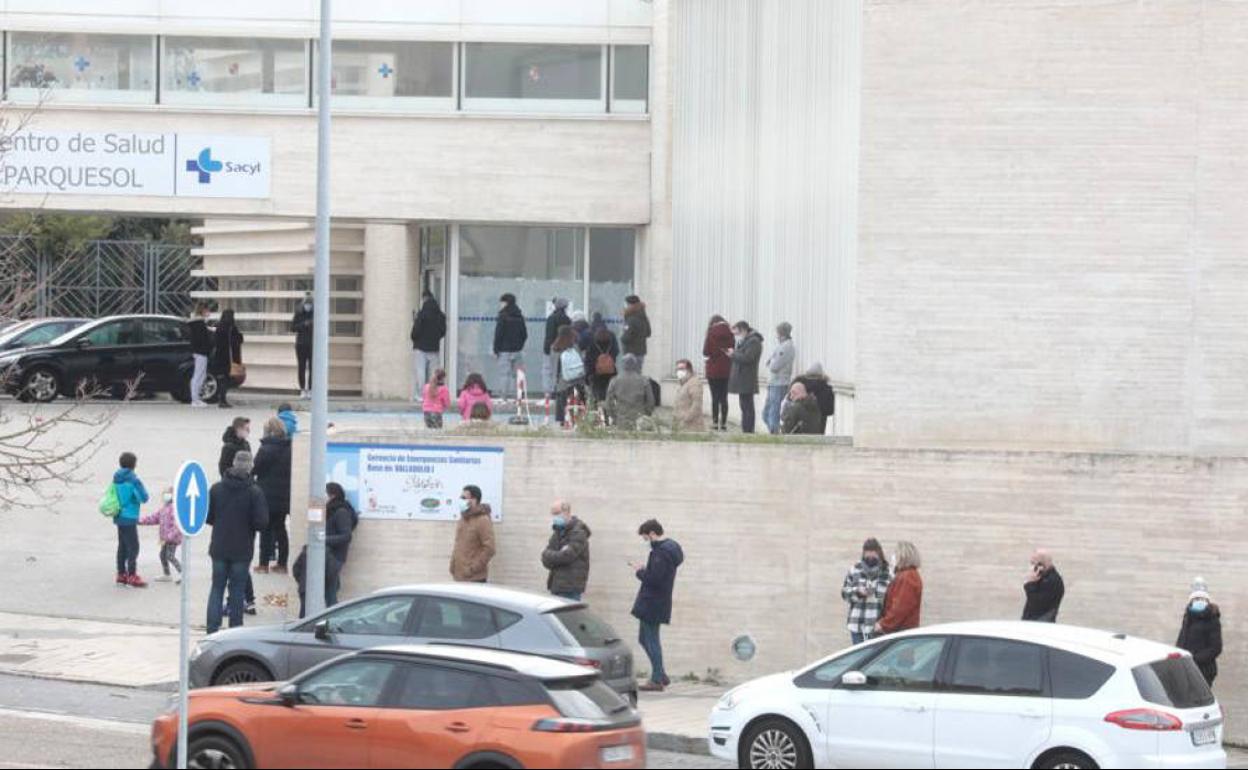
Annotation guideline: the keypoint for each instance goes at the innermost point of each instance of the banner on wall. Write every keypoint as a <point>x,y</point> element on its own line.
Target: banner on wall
<point>416,483</point>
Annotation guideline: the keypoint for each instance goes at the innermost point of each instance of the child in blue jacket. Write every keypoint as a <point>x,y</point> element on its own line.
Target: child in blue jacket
<point>131,494</point>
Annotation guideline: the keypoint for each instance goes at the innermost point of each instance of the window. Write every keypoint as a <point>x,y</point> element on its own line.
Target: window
<point>513,77</point>
<point>586,628</point>
<point>157,332</point>
<point>1074,676</point>
<point>611,267</point>
<point>383,616</point>
<point>44,334</point>
<point>451,619</point>
<point>998,667</point>
<point>830,673</point>
<point>517,692</point>
<point>354,682</point>
<point>108,334</point>
<point>431,688</point>
<point>394,75</point>
<point>504,620</point>
<point>82,67</point>
<point>630,81</point>
<point>1173,682</point>
<point>908,664</point>
<point>586,699</point>
<point>234,71</point>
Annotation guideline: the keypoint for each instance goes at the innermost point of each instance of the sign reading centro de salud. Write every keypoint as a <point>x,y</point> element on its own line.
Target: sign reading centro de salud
<point>122,163</point>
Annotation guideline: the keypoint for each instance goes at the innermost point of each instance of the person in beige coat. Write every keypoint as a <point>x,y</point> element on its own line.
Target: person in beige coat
<point>688,404</point>
<point>474,539</point>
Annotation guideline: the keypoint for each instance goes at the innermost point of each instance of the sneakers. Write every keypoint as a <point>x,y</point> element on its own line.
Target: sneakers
<point>134,581</point>
<point>122,580</point>
<point>250,609</point>
<point>163,579</point>
<point>278,569</point>
<point>261,569</point>
<point>651,687</point>
<point>199,405</point>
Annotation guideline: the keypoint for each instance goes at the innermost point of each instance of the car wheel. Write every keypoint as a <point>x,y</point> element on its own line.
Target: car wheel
<point>41,385</point>
<point>216,752</point>
<point>775,744</point>
<point>241,672</point>
<point>208,393</point>
<point>1067,760</point>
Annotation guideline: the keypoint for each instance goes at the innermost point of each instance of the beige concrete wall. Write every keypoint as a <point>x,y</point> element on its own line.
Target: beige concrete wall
<point>391,281</point>
<point>1052,226</point>
<point>768,531</point>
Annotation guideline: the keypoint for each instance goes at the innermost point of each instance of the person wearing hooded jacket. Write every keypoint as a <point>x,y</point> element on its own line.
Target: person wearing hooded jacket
<point>272,472</point>
<point>744,378</point>
<point>1201,631</point>
<point>340,523</point>
<point>567,554</point>
<point>636,328</point>
<point>554,322</point>
<point>301,325</point>
<point>820,388</point>
<point>428,331</point>
<point>718,341</point>
<point>236,512</point>
<point>511,334</point>
<point>629,396</point>
<point>779,376</point>
<point>227,350</point>
<point>653,606</point>
<point>131,494</point>
<point>474,539</point>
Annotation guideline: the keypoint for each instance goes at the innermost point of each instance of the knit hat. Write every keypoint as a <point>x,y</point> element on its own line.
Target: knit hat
<point>561,303</point>
<point>243,461</point>
<point>1200,590</point>
<point>630,363</point>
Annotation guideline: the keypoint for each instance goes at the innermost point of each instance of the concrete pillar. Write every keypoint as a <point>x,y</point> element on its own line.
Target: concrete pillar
<point>656,276</point>
<point>391,283</point>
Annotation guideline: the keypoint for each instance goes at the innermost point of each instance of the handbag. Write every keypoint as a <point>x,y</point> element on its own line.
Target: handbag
<point>238,373</point>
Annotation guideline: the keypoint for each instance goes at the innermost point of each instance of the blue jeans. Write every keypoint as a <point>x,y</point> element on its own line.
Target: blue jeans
<point>771,412</point>
<point>649,640</point>
<point>856,638</point>
<point>568,595</point>
<point>235,574</point>
<point>127,548</point>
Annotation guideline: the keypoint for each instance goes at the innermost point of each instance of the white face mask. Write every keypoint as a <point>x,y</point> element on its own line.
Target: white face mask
<point>682,374</point>
<point>464,505</point>
<point>168,497</point>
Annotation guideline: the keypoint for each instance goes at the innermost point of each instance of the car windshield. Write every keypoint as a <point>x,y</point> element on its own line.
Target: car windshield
<point>1175,682</point>
<point>586,628</point>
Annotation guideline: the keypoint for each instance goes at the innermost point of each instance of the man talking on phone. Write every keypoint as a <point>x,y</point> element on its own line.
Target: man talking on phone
<point>1044,589</point>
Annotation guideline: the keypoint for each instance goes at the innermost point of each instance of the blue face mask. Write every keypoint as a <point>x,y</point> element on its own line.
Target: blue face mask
<point>1199,606</point>
<point>559,522</point>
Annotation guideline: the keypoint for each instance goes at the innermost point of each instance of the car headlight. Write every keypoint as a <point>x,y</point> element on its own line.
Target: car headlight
<point>200,649</point>
<point>730,700</point>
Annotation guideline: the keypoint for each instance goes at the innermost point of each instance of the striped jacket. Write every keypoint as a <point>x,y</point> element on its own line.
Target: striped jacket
<point>864,612</point>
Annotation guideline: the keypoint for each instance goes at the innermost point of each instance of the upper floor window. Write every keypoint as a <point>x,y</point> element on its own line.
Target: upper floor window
<point>393,75</point>
<point>82,67</point>
<point>630,80</point>
<point>524,77</point>
<point>234,71</point>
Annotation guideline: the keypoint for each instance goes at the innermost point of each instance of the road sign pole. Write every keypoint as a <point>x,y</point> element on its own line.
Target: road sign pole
<point>184,653</point>
<point>190,493</point>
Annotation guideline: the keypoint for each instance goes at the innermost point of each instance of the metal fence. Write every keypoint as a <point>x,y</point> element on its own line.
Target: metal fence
<point>101,278</point>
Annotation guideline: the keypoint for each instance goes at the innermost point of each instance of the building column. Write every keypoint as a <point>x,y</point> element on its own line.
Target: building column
<point>391,284</point>
<point>656,265</point>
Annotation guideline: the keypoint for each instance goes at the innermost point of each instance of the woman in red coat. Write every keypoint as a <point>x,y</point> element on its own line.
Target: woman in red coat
<point>905,594</point>
<point>718,368</point>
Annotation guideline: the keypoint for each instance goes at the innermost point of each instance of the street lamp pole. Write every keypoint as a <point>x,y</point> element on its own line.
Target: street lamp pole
<point>314,580</point>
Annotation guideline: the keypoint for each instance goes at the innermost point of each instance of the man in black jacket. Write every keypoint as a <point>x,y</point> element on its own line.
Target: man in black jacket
<point>236,512</point>
<point>556,320</point>
<point>428,330</point>
<point>301,325</point>
<point>511,333</point>
<point>201,349</point>
<point>1044,589</point>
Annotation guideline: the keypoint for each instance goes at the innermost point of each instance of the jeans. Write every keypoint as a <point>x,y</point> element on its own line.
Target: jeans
<point>571,595</point>
<point>274,541</point>
<point>198,378</point>
<point>856,638</point>
<point>303,360</point>
<point>169,556</point>
<point>548,376</point>
<point>424,365</point>
<point>771,412</point>
<point>508,365</point>
<point>747,412</point>
<point>127,548</point>
<point>233,573</point>
<point>648,638</point>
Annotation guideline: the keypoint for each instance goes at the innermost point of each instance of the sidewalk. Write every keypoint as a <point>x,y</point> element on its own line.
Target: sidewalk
<point>131,655</point>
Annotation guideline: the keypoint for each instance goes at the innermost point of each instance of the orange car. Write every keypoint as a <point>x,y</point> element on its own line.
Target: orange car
<point>413,706</point>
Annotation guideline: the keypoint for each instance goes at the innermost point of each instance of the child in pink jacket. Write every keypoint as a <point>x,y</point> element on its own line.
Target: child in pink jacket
<point>437,398</point>
<point>170,535</point>
<point>474,394</point>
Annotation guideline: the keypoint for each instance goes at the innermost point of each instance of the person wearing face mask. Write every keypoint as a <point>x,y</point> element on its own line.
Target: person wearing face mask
<point>779,372</point>
<point>301,325</point>
<point>474,539</point>
<point>567,554</point>
<point>866,585</point>
<point>1044,589</point>
<point>688,406</point>
<point>1201,632</point>
<point>653,607</point>
<point>170,535</point>
<point>743,380</point>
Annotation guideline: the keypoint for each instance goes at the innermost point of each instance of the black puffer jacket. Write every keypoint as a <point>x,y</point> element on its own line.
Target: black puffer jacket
<point>231,445</point>
<point>429,327</point>
<point>556,320</point>
<point>567,558</point>
<point>340,521</point>
<point>272,471</point>
<point>236,512</point>
<point>1201,635</point>
<point>201,337</point>
<point>301,325</point>
<point>511,333</point>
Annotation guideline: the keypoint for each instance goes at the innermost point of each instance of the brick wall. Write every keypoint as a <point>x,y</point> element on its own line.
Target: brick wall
<point>769,530</point>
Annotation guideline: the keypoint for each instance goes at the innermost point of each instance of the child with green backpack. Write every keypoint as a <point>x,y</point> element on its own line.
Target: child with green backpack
<point>121,502</point>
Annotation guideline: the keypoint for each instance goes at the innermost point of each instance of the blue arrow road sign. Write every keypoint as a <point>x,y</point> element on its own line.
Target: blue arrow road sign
<point>191,498</point>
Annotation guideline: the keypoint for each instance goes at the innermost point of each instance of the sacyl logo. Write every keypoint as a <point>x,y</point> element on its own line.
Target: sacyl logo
<point>204,165</point>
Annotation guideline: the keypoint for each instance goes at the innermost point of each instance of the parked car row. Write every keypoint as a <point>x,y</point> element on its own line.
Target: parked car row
<point>50,358</point>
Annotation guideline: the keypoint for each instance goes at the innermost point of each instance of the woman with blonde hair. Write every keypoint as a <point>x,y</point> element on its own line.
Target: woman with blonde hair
<point>905,594</point>
<point>272,473</point>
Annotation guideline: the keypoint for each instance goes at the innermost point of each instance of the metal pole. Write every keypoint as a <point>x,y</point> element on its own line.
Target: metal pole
<point>314,582</point>
<point>183,652</point>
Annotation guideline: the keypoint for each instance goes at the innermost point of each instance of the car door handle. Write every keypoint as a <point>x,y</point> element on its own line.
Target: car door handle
<point>357,724</point>
<point>457,727</point>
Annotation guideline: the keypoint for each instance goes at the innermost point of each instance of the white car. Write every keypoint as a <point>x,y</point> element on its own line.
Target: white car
<point>991,694</point>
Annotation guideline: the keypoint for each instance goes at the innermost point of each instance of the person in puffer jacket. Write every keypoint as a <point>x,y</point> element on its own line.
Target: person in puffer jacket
<point>131,494</point>
<point>170,536</point>
<point>567,554</point>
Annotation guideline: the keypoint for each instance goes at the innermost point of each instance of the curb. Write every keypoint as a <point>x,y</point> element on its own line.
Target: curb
<point>677,744</point>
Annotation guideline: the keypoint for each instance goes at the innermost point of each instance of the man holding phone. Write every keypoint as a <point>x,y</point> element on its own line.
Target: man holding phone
<point>1044,589</point>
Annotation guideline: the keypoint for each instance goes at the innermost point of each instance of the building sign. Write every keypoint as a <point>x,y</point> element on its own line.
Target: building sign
<point>416,482</point>
<point>121,163</point>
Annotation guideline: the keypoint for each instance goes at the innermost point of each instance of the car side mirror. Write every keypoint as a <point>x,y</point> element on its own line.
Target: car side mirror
<point>289,695</point>
<point>853,679</point>
<point>321,630</point>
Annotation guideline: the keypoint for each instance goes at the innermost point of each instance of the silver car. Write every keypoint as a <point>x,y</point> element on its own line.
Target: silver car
<point>457,613</point>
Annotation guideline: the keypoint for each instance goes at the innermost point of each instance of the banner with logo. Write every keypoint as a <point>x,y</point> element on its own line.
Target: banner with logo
<point>416,483</point>
<point>132,163</point>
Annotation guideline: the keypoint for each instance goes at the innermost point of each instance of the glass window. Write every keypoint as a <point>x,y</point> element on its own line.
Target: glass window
<point>586,699</point>
<point>108,334</point>
<point>82,67</point>
<point>908,664</point>
<point>830,673</point>
<point>431,688</point>
<point>611,260</point>
<point>514,77</point>
<point>450,619</point>
<point>1075,676</point>
<point>44,334</point>
<point>998,667</point>
<point>586,628</point>
<point>394,75</point>
<point>383,616</point>
<point>156,332</point>
<point>234,71</point>
<point>630,81</point>
<point>354,682</point>
<point>504,620</point>
<point>1175,682</point>
<point>517,692</point>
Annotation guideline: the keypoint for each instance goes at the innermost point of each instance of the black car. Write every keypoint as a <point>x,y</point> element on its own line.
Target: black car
<point>36,332</point>
<point>149,353</point>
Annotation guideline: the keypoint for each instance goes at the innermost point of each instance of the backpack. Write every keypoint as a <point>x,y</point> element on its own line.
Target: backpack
<point>110,503</point>
<point>572,364</point>
<point>604,366</point>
